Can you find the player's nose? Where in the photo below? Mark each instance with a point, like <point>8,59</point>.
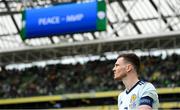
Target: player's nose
<point>113,69</point>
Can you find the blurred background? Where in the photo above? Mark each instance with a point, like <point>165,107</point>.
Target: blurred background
<point>74,70</point>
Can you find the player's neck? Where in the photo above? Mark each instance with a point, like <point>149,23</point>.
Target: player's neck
<point>130,81</point>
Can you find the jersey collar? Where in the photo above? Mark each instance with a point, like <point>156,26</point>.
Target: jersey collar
<point>127,92</point>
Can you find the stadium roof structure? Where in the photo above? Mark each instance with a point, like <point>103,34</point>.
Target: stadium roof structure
<point>131,25</point>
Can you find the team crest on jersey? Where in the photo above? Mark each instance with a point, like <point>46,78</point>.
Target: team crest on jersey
<point>132,101</point>
<point>133,98</point>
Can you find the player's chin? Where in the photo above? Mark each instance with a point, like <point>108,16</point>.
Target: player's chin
<point>116,78</point>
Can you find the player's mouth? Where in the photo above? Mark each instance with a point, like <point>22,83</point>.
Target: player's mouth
<point>114,74</point>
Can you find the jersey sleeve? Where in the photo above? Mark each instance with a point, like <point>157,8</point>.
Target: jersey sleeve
<point>149,96</point>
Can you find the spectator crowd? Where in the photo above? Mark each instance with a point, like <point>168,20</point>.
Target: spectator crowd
<point>92,76</point>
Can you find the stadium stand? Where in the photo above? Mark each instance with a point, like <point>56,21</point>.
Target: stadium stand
<point>93,76</point>
<point>90,77</point>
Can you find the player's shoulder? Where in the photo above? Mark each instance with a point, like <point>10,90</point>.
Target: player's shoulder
<point>147,85</point>
<point>122,93</point>
<point>148,89</point>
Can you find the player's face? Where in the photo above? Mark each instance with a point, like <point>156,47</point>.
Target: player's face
<point>119,69</point>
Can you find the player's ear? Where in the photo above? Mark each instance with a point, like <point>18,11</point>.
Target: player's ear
<point>128,67</point>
